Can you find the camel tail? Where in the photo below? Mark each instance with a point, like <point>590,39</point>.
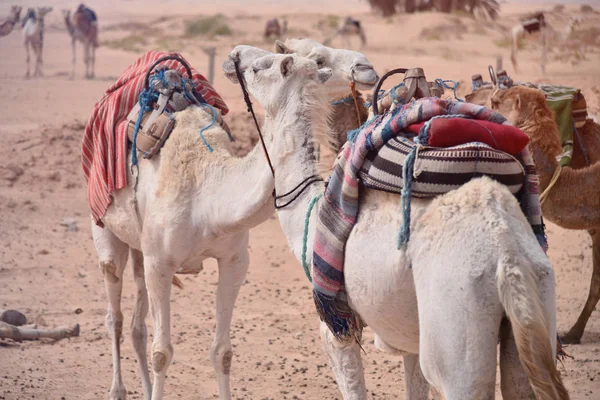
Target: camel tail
<point>177,282</point>
<point>522,304</point>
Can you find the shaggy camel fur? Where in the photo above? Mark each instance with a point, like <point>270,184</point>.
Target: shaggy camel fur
<point>13,18</point>
<point>85,31</point>
<point>349,27</point>
<point>33,30</point>
<point>574,201</point>
<point>158,250</point>
<point>472,261</point>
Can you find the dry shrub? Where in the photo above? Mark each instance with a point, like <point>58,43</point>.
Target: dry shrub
<point>134,43</point>
<point>586,8</point>
<point>456,29</point>
<point>559,8</point>
<point>214,25</point>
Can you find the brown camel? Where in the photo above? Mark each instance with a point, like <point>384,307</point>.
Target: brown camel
<point>574,200</point>
<point>347,28</point>
<point>83,27</point>
<point>7,26</point>
<point>33,30</point>
<point>273,28</point>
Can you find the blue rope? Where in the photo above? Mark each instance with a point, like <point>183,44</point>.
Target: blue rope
<point>212,123</point>
<point>312,203</point>
<point>394,95</point>
<point>408,169</point>
<point>342,101</point>
<point>145,97</point>
<point>454,86</point>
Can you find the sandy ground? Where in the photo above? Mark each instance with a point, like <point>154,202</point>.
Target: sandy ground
<point>47,270</point>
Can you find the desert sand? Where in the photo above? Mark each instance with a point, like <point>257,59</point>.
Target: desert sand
<point>49,270</point>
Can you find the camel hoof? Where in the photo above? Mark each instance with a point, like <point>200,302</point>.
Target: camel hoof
<point>571,338</point>
<point>118,393</point>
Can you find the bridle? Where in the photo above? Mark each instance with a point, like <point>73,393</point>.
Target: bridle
<point>302,186</point>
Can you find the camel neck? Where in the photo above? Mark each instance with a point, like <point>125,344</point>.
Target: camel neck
<point>544,152</point>
<point>69,24</point>
<point>294,160</point>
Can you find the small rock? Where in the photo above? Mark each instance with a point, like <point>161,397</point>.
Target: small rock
<point>70,224</point>
<point>78,310</point>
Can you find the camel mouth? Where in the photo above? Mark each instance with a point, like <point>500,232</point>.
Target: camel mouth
<point>365,77</point>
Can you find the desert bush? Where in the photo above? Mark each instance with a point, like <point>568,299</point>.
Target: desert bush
<point>215,25</point>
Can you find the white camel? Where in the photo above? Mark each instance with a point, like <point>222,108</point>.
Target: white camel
<point>546,34</point>
<point>473,271</point>
<point>193,205</point>
<point>33,31</point>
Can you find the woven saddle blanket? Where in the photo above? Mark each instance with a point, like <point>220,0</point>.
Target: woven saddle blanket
<point>104,148</point>
<point>373,156</point>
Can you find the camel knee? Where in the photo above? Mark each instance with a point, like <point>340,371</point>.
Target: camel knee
<point>110,271</point>
<point>161,358</point>
<point>221,356</point>
<point>138,334</point>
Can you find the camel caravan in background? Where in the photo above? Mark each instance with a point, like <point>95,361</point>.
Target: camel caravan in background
<point>83,27</point>
<point>13,19</point>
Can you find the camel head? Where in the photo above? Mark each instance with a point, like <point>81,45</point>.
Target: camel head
<point>521,105</point>
<point>41,12</point>
<point>15,11</point>
<point>275,79</point>
<point>345,64</point>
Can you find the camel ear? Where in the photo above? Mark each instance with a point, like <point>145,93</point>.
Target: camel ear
<point>518,103</point>
<point>281,48</point>
<point>286,66</point>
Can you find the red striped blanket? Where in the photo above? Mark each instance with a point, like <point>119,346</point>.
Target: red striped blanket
<point>104,148</point>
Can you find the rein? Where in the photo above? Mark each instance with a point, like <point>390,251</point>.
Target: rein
<point>302,186</point>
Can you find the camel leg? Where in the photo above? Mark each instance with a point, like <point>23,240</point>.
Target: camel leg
<point>513,379</point>
<point>232,271</point>
<point>458,327</point>
<point>92,61</point>
<point>159,275</point>
<point>576,332</point>
<point>346,363</point>
<point>139,334</point>
<point>74,60</point>
<point>112,254</point>
<point>417,388</point>
<point>544,50</point>
<point>40,61</point>
<point>28,59</point>
<point>86,60</point>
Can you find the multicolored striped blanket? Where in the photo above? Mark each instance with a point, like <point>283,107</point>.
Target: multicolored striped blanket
<point>104,147</point>
<point>339,205</point>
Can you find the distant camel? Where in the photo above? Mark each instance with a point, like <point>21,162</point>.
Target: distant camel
<point>348,27</point>
<point>7,26</point>
<point>273,28</point>
<point>83,27</point>
<point>536,26</point>
<point>33,30</point>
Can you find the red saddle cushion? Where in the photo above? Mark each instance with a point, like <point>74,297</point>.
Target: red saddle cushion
<point>448,132</point>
